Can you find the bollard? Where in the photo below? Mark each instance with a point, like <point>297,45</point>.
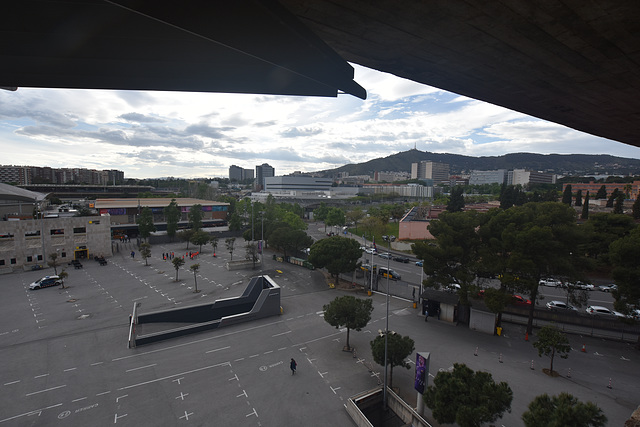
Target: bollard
<point>500,358</point>
<point>609,386</point>
<point>475,353</point>
<point>569,373</point>
<point>532,364</point>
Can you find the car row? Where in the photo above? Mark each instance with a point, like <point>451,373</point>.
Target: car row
<point>559,305</point>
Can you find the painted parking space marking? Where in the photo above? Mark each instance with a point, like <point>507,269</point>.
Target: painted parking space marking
<point>27,414</point>
<point>175,375</point>
<point>45,390</point>
<point>12,382</point>
<point>141,367</point>
<point>218,349</point>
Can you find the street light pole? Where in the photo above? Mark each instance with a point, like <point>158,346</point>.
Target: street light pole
<point>386,332</point>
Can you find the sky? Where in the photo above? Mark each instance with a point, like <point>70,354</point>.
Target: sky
<point>199,135</point>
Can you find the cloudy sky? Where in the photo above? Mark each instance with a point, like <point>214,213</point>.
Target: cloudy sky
<point>159,134</point>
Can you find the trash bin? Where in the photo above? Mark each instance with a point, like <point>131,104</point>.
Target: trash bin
<point>499,330</point>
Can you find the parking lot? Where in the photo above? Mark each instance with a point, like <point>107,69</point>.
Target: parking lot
<point>66,361</point>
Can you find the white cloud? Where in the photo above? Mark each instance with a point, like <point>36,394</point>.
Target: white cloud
<point>151,134</point>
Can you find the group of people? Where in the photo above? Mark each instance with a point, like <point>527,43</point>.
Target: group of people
<point>167,255</point>
<point>125,239</point>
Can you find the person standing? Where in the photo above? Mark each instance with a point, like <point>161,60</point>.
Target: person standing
<point>293,365</point>
<point>426,315</point>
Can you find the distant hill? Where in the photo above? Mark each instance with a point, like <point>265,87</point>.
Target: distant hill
<point>571,164</point>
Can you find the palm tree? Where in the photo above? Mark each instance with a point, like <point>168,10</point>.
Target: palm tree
<point>195,268</point>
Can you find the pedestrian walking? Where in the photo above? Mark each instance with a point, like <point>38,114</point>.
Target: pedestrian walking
<point>426,315</point>
<point>293,365</point>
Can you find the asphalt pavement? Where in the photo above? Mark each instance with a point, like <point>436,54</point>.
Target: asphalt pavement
<point>66,361</point>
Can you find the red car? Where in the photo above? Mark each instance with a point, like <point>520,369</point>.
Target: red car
<point>518,300</point>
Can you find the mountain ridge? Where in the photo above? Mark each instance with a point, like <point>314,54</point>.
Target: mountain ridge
<point>573,164</point>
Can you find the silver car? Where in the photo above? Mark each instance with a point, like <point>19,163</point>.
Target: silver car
<point>559,305</point>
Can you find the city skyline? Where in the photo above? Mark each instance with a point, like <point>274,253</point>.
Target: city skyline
<point>189,135</point>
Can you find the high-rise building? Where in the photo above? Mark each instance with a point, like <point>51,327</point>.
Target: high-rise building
<point>426,169</point>
<point>263,171</point>
<point>236,173</point>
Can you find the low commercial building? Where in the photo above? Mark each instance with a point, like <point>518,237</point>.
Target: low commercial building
<point>125,211</point>
<point>28,243</point>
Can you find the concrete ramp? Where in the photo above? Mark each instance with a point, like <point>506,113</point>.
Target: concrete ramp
<point>260,299</point>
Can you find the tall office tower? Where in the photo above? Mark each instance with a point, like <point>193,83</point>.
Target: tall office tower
<point>263,171</point>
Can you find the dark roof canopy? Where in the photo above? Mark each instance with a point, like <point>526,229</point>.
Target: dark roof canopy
<point>572,62</point>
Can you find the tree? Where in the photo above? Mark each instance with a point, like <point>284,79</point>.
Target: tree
<point>578,198</point>
<point>145,252</point>
<point>626,270</point>
<point>550,341</point>
<point>177,263</point>
<point>320,213</point>
<point>563,410</point>
<point>618,208</point>
<point>612,198</point>
<point>348,312</point>
<point>53,262</point>
<point>63,275</point>
<point>200,238</point>
<point>195,268</point>
<point>456,256</point>
<point>373,226</point>
<point>336,254</point>
<point>635,209</point>
<point>567,195</point>
<point>294,221</point>
<point>602,192</point>
<point>456,199</point>
<point>585,208</point>
<point>230,243</point>
<point>235,223</point>
<point>214,244</point>
<point>172,216</point>
<point>466,397</point>
<point>251,252</point>
<point>335,216</point>
<point>354,216</point>
<point>398,350</point>
<point>185,236</point>
<point>145,223</point>
<point>195,217</point>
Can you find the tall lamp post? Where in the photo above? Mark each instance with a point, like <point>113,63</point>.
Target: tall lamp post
<point>389,239</point>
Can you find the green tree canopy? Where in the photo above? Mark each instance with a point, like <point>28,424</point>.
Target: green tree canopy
<point>349,312</point>
<point>177,263</point>
<point>200,238</point>
<point>466,397</point>
<point>578,198</point>
<point>456,199</point>
<point>585,208</point>
<point>195,217</point>
<point>626,270</point>
<point>145,223</point>
<point>335,216</point>
<point>456,256</point>
<point>53,262</point>
<point>635,209</point>
<point>294,221</point>
<point>602,192</point>
<point>354,216</point>
<point>398,350</point>
<point>172,215</point>
<point>336,254</point>
<point>552,341</point>
<point>194,268</point>
<point>567,195</point>
<point>145,252</point>
<point>230,243</point>
<point>601,230</point>
<point>185,236</point>
<point>563,410</point>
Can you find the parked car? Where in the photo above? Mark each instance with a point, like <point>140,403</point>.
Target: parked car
<point>549,281</point>
<point>45,282</point>
<point>581,285</point>
<point>607,288</point>
<point>401,259</point>
<point>420,263</point>
<point>559,305</point>
<point>371,251</point>
<point>385,255</point>
<point>596,310</point>
<point>452,287</point>
<point>519,300</point>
